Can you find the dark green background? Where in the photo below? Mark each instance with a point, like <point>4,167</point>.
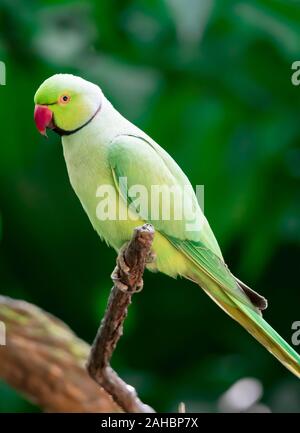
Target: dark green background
<point>211,82</point>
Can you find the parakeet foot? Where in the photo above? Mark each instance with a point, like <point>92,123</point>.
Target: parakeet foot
<point>151,257</point>
<point>117,282</point>
<point>123,268</point>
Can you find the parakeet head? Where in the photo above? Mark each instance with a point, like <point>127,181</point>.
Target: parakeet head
<point>65,103</point>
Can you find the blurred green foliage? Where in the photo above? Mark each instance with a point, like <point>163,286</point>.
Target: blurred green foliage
<point>211,82</point>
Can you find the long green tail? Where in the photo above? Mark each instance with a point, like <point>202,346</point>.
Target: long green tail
<point>253,322</point>
<point>211,273</point>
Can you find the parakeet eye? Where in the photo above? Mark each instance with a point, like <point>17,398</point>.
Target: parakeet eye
<point>64,99</point>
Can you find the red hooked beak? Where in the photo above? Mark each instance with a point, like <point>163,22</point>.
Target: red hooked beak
<point>43,118</point>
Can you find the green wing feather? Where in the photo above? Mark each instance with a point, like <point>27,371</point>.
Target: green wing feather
<point>144,162</point>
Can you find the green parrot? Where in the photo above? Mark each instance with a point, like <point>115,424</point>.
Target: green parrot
<point>100,148</point>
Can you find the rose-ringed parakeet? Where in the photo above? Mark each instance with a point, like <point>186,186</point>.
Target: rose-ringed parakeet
<point>101,147</point>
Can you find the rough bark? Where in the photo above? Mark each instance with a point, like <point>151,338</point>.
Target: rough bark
<point>45,361</point>
<point>127,278</point>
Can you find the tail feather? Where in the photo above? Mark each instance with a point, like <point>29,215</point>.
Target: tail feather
<point>254,323</point>
<point>259,301</point>
<point>269,338</point>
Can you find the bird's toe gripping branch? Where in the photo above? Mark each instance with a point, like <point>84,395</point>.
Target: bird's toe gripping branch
<point>127,278</point>
<point>151,257</point>
<point>115,276</point>
<point>132,259</point>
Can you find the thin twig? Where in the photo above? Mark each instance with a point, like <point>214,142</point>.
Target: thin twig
<point>127,278</point>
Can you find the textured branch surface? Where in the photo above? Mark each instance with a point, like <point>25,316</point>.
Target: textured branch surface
<point>45,361</point>
<point>127,278</point>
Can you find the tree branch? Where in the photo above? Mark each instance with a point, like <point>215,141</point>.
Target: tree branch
<point>127,278</point>
<point>45,361</point>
